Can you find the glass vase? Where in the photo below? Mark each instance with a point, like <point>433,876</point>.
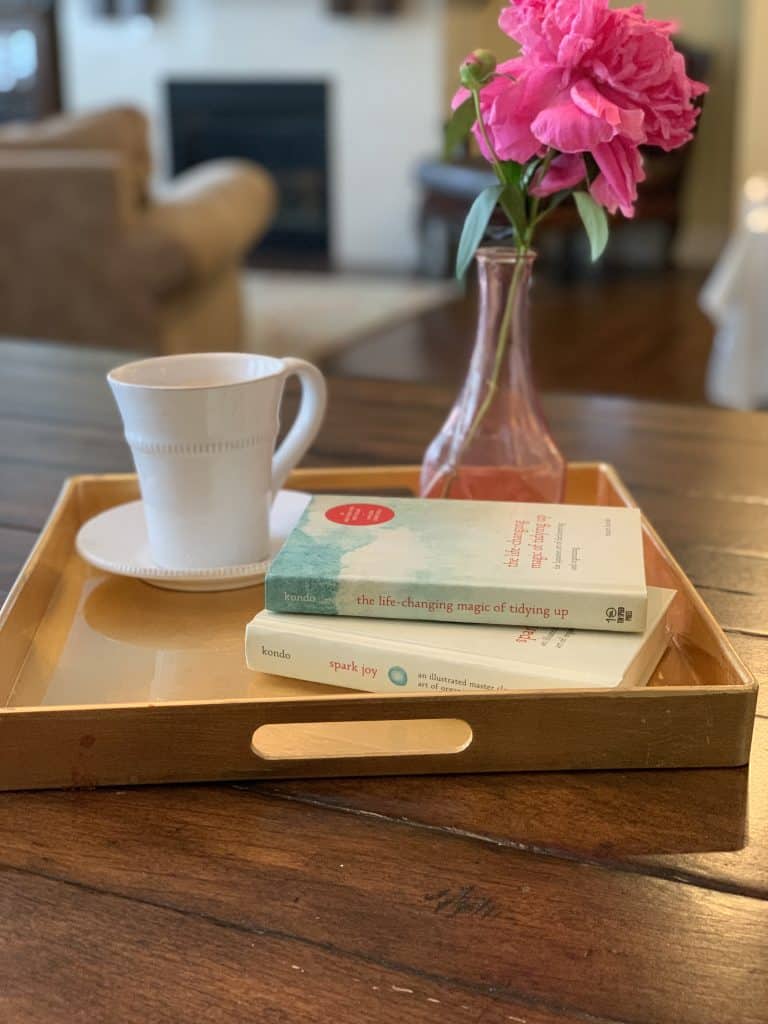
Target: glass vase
<point>495,444</point>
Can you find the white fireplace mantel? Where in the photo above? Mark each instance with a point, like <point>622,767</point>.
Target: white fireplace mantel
<point>385,78</point>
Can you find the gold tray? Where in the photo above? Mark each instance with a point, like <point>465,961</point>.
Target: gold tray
<point>105,680</point>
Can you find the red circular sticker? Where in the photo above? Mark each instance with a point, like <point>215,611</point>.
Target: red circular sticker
<point>358,513</point>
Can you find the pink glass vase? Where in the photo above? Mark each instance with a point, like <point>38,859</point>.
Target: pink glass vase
<point>495,444</point>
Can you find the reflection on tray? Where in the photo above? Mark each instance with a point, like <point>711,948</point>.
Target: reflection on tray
<point>108,640</point>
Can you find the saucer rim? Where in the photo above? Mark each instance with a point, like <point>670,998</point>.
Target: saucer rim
<point>153,572</point>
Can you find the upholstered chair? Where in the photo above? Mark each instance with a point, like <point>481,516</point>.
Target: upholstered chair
<point>90,253</point>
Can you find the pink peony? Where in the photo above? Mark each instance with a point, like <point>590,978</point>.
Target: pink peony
<point>589,80</point>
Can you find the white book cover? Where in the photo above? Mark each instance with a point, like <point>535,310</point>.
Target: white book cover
<point>383,656</point>
<point>505,563</point>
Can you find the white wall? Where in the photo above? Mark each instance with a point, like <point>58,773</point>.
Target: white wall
<point>386,100</point>
<point>714,25</point>
<point>752,152</point>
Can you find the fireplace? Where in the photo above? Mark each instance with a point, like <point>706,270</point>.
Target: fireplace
<point>282,125</point>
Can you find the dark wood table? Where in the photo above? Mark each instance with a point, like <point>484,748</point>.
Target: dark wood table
<point>634,897</point>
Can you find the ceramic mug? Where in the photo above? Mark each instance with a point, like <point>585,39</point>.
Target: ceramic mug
<point>202,430</point>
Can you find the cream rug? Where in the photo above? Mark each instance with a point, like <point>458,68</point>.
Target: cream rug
<point>313,315</point>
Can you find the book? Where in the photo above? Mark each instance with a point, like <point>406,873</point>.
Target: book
<point>464,561</point>
<point>382,656</point>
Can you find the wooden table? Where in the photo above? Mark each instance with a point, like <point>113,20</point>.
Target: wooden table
<point>538,898</point>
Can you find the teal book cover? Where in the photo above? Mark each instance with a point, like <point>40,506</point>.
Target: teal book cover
<point>457,561</point>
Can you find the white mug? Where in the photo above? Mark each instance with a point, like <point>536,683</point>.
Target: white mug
<point>202,430</point>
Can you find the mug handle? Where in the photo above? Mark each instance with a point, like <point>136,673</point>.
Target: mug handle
<point>308,419</point>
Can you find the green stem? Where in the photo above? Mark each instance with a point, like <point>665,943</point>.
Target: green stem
<point>496,163</point>
<point>494,159</point>
<point>501,345</point>
<point>535,218</point>
<point>498,363</point>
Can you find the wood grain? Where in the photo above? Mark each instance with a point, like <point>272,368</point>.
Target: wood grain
<point>63,959</point>
<point>665,338</point>
<point>478,916</point>
<point>594,897</point>
<point>706,827</point>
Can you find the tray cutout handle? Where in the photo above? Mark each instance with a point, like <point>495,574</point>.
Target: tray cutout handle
<point>420,737</point>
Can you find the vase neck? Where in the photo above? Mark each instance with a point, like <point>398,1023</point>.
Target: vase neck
<point>495,443</point>
<point>504,280</point>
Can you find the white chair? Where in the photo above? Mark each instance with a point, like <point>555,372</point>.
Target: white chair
<point>735,297</point>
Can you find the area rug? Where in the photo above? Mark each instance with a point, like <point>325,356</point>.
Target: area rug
<point>313,315</point>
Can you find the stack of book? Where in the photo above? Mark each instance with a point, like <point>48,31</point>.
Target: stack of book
<point>404,594</point>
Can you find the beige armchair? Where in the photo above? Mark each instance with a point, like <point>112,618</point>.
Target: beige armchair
<point>88,255</point>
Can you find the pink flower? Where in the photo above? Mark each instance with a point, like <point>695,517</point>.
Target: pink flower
<point>509,104</point>
<point>589,80</point>
<point>566,171</point>
<point>621,170</point>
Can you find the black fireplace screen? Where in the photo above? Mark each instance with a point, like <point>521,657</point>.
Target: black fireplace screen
<point>282,125</point>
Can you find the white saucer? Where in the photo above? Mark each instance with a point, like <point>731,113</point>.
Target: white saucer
<point>116,541</point>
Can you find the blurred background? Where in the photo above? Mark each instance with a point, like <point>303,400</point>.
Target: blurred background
<point>267,174</point>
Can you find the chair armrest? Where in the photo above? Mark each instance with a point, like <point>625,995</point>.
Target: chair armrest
<point>71,195</point>
<point>118,130</point>
<point>212,213</point>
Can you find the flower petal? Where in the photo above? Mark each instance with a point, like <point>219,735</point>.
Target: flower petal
<point>621,167</point>
<point>459,97</point>
<point>566,171</point>
<point>623,121</point>
<point>566,127</point>
<point>510,105</point>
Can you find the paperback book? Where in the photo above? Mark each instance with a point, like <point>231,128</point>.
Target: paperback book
<point>573,566</point>
<point>382,656</point>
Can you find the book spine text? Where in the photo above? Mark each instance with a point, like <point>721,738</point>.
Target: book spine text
<point>343,661</point>
<point>615,612</point>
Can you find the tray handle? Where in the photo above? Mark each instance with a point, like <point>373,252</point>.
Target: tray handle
<point>318,737</point>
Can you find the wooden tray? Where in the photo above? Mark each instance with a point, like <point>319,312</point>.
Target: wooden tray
<point>107,681</point>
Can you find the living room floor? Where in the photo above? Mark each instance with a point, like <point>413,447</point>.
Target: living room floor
<point>638,334</point>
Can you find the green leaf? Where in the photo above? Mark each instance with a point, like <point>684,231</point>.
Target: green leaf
<point>514,207</point>
<point>475,226</point>
<point>513,201</point>
<point>458,127</point>
<point>512,172</point>
<point>595,222</point>
<point>528,172</point>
